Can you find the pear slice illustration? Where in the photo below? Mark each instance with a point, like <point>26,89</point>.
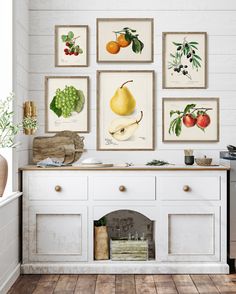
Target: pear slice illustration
<point>123,102</point>
<point>122,128</point>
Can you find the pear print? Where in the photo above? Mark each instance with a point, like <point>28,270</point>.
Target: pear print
<point>123,128</point>
<point>123,102</point>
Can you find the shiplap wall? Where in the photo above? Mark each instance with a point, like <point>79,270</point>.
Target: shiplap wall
<point>216,17</point>
<point>20,79</point>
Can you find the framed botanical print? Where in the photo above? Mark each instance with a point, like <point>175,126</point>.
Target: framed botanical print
<point>190,119</point>
<point>67,104</point>
<point>125,110</point>
<point>124,40</point>
<point>184,60</point>
<point>71,45</point>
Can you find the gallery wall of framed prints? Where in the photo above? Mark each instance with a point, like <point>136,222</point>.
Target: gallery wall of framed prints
<point>126,99</point>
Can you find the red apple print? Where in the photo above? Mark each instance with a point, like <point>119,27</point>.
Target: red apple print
<point>189,121</point>
<point>203,120</point>
<point>191,115</point>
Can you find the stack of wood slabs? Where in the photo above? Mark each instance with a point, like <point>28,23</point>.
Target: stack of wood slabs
<point>129,250</point>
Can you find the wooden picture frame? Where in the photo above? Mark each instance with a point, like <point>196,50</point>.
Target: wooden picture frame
<point>78,112</point>
<point>75,53</point>
<point>190,119</point>
<point>184,60</point>
<point>114,112</point>
<point>112,43</point>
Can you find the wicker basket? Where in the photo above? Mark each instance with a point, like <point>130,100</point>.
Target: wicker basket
<point>203,161</point>
<point>101,250</point>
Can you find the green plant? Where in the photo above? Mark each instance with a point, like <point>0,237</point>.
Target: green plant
<point>101,222</point>
<point>8,129</point>
<point>156,162</point>
<point>185,49</point>
<point>30,123</point>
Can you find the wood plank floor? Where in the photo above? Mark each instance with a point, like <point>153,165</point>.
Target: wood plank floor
<point>125,284</point>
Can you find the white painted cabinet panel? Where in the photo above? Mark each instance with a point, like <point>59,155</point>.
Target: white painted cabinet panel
<point>57,233</point>
<point>44,186</point>
<point>190,233</point>
<point>123,187</point>
<point>197,188</point>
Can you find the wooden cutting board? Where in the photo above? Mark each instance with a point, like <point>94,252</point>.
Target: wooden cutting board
<point>78,143</point>
<point>65,146</point>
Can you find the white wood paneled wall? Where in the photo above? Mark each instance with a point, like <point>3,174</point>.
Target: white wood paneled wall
<point>216,17</point>
<point>20,77</point>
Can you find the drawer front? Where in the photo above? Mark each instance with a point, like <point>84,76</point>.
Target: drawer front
<point>188,188</point>
<point>123,188</point>
<point>57,187</point>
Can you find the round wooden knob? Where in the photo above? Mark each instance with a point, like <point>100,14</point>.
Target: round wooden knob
<point>186,188</point>
<point>122,188</point>
<point>58,188</point>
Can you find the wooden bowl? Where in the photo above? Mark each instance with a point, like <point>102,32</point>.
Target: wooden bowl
<point>203,161</point>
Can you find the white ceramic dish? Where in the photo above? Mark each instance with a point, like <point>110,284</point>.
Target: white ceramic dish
<point>91,160</point>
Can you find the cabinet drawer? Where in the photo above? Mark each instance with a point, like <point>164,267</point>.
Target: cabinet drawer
<point>57,187</point>
<point>123,188</point>
<point>188,188</point>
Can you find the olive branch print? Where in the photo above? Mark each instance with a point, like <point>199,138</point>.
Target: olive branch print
<point>188,50</point>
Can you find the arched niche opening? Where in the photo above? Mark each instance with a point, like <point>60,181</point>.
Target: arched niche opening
<point>125,224</point>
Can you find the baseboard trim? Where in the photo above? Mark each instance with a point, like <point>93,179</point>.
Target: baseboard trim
<point>125,268</point>
<point>10,280</point>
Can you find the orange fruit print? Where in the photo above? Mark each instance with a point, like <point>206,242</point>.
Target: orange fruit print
<point>124,38</point>
<point>113,47</point>
<point>122,41</point>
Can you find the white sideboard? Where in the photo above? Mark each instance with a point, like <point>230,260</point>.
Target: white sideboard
<point>186,204</point>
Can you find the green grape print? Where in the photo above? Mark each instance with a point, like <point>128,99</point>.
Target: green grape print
<point>67,101</point>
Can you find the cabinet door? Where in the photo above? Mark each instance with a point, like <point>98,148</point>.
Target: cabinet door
<point>57,233</point>
<point>189,233</point>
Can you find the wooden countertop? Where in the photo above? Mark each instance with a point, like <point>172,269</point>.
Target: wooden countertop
<point>131,168</point>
